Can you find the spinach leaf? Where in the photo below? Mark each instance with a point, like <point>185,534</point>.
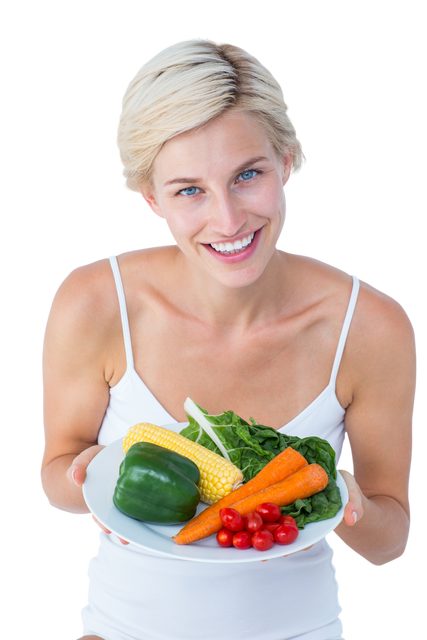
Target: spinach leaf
<point>251,446</point>
<point>321,506</point>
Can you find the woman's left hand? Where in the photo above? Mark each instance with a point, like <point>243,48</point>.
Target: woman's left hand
<point>353,510</point>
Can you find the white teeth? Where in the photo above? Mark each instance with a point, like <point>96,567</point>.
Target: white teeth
<point>233,247</point>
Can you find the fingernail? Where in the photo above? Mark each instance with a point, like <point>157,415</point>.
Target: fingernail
<point>354,514</point>
<point>72,475</point>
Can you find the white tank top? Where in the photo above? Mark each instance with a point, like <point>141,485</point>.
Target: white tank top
<point>156,598</point>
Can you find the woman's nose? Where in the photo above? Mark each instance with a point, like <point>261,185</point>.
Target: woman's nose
<point>226,216</point>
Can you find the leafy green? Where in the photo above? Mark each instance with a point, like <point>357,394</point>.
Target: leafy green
<point>251,446</point>
<point>321,506</point>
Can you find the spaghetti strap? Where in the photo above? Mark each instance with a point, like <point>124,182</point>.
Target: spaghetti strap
<point>345,329</point>
<point>123,311</point>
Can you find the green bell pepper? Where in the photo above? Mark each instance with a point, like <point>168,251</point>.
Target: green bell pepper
<point>157,485</point>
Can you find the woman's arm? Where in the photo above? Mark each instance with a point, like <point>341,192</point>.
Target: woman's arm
<point>60,484</point>
<point>77,365</point>
<point>381,364</point>
<point>381,535</point>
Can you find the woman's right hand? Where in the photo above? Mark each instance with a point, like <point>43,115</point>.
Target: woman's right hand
<point>76,474</point>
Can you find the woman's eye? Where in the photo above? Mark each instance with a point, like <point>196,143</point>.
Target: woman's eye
<point>250,171</point>
<point>187,189</point>
<point>247,175</point>
<point>188,195</point>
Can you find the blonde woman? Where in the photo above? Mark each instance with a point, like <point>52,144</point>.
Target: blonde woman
<point>224,317</point>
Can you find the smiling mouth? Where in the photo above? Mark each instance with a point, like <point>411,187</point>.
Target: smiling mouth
<point>248,239</point>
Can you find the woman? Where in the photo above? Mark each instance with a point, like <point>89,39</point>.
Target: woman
<point>227,319</point>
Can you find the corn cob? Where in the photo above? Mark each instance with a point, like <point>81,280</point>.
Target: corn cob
<point>218,476</point>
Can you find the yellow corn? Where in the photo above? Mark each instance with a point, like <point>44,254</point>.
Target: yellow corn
<point>218,476</point>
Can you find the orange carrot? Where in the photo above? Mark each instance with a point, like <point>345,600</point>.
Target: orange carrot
<point>302,484</point>
<point>279,468</point>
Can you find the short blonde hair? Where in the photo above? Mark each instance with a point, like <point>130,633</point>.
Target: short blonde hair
<point>186,86</point>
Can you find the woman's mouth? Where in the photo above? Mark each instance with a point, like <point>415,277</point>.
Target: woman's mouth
<point>236,251</point>
<point>228,248</point>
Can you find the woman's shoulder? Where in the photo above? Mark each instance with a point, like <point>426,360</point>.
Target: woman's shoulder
<point>381,333</point>
<point>88,294</point>
<point>86,288</point>
<point>328,280</point>
<point>94,282</point>
<point>379,321</point>
<point>84,307</point>
<point>380,343</point>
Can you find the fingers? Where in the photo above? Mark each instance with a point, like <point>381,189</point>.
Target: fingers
<point>294,552</point>
<point>101,525</point>
<point>98,525</point>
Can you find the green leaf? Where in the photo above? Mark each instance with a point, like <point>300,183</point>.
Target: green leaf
<point>321,506</point>
<point>251,446</point>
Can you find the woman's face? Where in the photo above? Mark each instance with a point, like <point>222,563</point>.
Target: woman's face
<point>220,190</point>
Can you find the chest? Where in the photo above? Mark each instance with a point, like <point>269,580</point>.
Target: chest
<point>271,374</point>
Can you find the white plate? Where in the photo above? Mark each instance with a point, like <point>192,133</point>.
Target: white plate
<point>98,489</point>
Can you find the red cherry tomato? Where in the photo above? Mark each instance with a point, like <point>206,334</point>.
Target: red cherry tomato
<point>253,522</point>
<point>286,533</point>
<point>262,540</point>
<point>224,537</point>
<point>269,512</point>
<point>270,526</point>
<point>242,540</point>
<point>288,519</point>
<point>231,519</point>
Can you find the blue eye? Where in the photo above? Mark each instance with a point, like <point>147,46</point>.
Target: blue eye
<point>187,189</point>
<point>189,195</point>
<point>248,171</point>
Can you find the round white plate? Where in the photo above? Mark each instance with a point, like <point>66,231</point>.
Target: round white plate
<point>98,489</point>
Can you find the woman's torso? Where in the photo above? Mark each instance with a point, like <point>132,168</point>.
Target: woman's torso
<point>274,376</point>
<point>288,357</point>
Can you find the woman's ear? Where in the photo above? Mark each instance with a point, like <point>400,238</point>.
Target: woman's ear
<point>287,166</point>
<point>150,199</point>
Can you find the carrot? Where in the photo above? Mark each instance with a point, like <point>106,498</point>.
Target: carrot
<point>302,484</point>
<point>279,468</point>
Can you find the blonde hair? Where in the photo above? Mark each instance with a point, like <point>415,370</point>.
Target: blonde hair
<point>186,86</point>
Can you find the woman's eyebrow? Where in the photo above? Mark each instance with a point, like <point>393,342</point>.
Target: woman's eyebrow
<point>242,167</point>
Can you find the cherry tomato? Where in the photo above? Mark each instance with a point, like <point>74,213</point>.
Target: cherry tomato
<point>242,540</point>
<point>253,522</point>
<point>288,519</point>
<point>270,526</point>
<point>262,540</point>
<point>269,512</point>
<point>224,537</point>
<point>286,533</point>
<point>231,519</point>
